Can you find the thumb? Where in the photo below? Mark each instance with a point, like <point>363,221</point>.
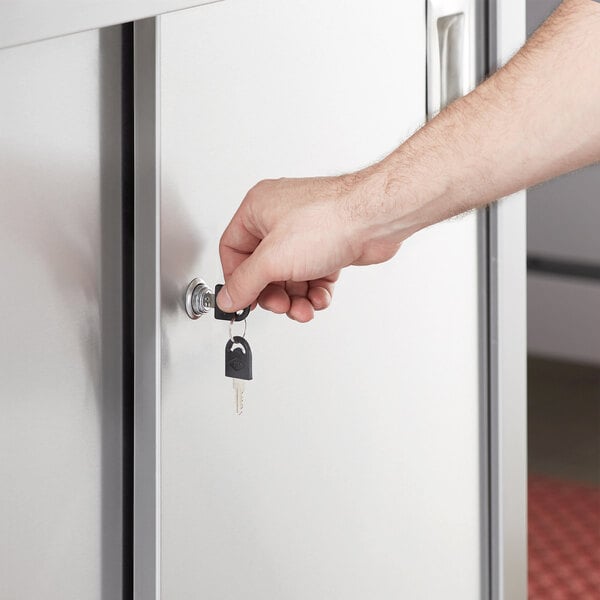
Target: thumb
<point>248,280</point>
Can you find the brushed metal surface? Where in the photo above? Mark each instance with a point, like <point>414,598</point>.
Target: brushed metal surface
<point>508,332</point>
<point>354,471</point>
<point>60,349</point>
<point>147,330</point>
<point>24,21</point>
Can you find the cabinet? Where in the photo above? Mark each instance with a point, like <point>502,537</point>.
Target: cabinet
<point>354,470</point>
<point>61,512</point>
<point>362,466</point>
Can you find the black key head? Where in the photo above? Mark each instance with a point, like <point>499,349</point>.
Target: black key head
<point>225,316</point>
<point>238,360</point>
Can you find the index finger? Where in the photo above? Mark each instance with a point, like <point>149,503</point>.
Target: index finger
<point>236,245</point>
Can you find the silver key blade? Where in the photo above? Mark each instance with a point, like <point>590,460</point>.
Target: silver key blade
<point>238,387</point>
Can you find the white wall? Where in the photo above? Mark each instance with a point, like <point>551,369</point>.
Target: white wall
<point>563,221</point>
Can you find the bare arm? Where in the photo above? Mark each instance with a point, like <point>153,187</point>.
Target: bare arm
<point>536,118</point>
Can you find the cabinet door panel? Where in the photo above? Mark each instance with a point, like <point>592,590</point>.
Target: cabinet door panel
<point>60,350</point>
<point>354,470</point>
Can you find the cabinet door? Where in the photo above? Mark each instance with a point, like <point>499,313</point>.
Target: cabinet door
<point>60,351</point>
<point>354,471</point>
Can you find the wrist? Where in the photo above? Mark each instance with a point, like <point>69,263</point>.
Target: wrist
<point>381,205</point>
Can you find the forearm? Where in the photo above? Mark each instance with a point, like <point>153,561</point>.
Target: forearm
<point>536,118</point>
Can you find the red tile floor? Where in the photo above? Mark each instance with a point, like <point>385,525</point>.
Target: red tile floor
<point>564,540</point>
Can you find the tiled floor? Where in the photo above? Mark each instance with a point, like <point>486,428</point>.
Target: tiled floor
<point>564,540</point>
<point>564,481</point>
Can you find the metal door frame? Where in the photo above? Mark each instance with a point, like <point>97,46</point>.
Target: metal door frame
<point>507,350</point>
<point>147,302</point>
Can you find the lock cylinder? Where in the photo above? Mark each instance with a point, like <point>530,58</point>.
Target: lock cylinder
<point>199,298</point>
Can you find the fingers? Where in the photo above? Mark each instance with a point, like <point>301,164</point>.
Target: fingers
<point>296,288</point>
<point>279,297</point>
<point>319,297</point>
<point>320,292</point>
<point>275,298</point>
<point>237,250</point>
<point>275,236</point>
<point>237,243</point>
<point>251,280</point>
<point>299,299</point>
<point>244,285</point>
<point>301,309</point>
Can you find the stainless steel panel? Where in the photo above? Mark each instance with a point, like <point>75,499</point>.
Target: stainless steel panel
<point>508,415</point>
<point>60,351</point>
<point>147,378</point>
<point>508,361</point>
<point>354,472</point>
<point>23,21</point>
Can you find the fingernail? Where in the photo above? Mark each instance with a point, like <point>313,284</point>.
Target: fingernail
<point>224,300</point>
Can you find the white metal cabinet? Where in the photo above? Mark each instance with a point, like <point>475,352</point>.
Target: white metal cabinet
<point>354,472</point>
<point>328,487</point>
<point>60,351</point>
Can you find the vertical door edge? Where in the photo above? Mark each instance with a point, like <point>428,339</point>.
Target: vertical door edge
<point>147,331</point>
<point>508,351</point>
<point>482,46</point>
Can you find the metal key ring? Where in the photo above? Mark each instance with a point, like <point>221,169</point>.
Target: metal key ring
<point>231,336</point>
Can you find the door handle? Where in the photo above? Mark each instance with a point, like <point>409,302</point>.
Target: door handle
<point>450,52</point>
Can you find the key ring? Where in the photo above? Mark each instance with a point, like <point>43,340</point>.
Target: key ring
<point>231,336</point>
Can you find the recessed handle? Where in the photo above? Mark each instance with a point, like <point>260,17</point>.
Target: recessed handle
<point>450,52</point>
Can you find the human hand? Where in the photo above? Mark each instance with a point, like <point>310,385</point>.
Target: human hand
<point>289,239</point>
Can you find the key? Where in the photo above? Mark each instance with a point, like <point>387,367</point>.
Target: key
<point>238,366</point>
<point>224,316</point>
<point>239,386</point>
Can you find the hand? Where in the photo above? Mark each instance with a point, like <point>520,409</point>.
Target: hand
<point>289,239</point>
